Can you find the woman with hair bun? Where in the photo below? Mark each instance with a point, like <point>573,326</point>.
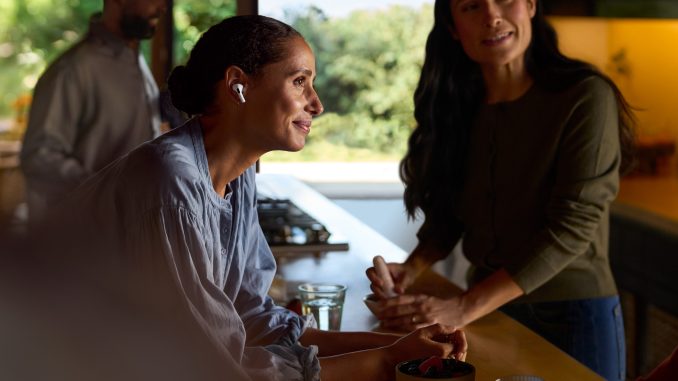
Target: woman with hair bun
<point>181,210</point>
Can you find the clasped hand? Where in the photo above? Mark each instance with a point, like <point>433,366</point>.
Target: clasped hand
<point>411,311</point>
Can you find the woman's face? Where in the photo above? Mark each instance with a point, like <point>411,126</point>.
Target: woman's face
<point>283,99</point>
<point>493,33</point>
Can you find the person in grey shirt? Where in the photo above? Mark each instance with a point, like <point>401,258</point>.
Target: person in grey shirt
<point>93,104</point>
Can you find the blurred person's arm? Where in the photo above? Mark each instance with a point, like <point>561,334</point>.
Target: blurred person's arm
<point>47,157</point>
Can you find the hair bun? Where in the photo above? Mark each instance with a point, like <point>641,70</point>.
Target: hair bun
<point>182,91</point>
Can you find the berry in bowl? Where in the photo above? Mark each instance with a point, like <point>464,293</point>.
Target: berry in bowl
<point>435,368</point>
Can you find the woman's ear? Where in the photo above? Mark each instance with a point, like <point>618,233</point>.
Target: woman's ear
<point>532,7</point>
<point>236,81</point>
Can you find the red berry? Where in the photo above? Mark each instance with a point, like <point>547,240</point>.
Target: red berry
<point>431,362</point>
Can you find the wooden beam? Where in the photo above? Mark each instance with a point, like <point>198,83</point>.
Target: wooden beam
<point>248,7</point>
<point>162,47</point>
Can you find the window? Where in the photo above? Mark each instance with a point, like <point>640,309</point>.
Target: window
<point>368,57</point>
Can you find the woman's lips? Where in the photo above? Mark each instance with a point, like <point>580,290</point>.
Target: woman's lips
<point>497,39</point>
<point>304,125</point>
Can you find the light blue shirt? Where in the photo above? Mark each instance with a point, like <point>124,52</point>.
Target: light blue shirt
<point>159,212</point>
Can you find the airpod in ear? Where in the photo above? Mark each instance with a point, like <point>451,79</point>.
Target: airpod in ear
<point>238,88</point>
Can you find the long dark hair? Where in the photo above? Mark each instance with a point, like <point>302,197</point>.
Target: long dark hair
<point>249,42</point>
<point>449,92</point>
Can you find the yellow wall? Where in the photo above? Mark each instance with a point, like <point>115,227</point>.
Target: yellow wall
<point>651,57</point>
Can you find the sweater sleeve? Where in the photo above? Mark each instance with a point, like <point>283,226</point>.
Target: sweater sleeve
<point>587,181</point>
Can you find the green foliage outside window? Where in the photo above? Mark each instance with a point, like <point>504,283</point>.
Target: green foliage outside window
<point>368,66</point>
<point>192,17</point>
<point>33,33</point>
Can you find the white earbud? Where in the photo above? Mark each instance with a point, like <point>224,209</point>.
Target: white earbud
<point>238,87</point>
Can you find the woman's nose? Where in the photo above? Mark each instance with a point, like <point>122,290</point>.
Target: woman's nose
<point>492,15</point>
<point>315,107</point>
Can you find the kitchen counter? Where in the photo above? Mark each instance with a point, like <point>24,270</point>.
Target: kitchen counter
<point>498,345</point>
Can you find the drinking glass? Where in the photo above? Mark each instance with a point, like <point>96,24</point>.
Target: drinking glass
<point>325,301</point>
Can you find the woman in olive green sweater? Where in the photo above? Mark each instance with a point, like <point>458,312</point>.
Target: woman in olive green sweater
<point>518,149</point>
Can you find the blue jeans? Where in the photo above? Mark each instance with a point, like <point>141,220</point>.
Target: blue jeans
<point>590,330</point>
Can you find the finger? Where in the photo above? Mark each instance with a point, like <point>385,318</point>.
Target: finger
<point>460,345</point>
<point>445,350</point>
<point>400,300</point>
<point>400,311</point>
<point>377,284</point>
<point>372,275</point>
<point>378,292</point>
<point>460,356</point>
<point>401,323</point>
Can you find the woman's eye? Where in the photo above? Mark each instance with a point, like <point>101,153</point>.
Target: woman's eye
<point>299,81</point>
<point>469,6</point>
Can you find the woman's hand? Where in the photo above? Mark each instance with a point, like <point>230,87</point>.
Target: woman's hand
<point>434,340</point>
<point>409,312</point>
<point>403,276</point>
<point>379,363</point>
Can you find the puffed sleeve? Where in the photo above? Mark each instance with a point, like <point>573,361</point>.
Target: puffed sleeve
<point>265,322</point>
<point>587,180</point>
<point>168,242</point>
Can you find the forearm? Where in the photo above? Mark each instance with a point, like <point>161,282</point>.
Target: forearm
<point>48,166</point>
<point>424,256</point>
<point>368,365</point>
<point>334,343</point>
<point>488,295</point>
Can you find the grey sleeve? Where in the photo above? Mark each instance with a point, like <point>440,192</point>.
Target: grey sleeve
<point>47,151</point>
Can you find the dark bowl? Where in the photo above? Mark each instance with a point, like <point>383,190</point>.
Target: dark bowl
<point>453,370</point>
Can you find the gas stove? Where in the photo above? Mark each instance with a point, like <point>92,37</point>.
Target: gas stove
<point>290,230</point>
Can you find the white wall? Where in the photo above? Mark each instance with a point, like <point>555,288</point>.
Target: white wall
<point>387,217</point>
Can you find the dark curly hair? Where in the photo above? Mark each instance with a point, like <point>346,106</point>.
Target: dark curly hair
<point>446,100</point>
<point>248,42</point>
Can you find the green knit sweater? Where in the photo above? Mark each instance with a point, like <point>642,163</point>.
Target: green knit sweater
<point>541,173</point>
